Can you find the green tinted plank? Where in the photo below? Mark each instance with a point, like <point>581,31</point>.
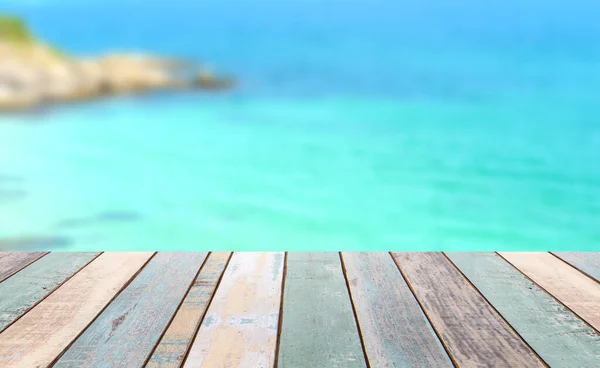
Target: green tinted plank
<point>473,332</point>
<point>38,337</point>
<point>587,262</point>
<point>575,290</point>
<point>26,288</point>
<point>240,327</point>
<point>395,331</point>
<point>13,262</point>
<point>318,325</point>
<point>556,334</point>
<point>129,328</point>
<point>175,342</point>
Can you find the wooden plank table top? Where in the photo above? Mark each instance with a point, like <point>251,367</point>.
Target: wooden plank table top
<point>126,332</point>
<point>43,333</point>
<point>326,310</point>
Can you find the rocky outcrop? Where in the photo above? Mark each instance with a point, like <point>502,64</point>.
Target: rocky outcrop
<point>33,74</point>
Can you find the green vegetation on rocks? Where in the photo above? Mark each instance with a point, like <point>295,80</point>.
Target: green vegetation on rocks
<point>14,29</point>
<point>33,73</point>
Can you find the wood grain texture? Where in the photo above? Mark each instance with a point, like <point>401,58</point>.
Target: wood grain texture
<point>588,262</point>
<point>556,334</point>
<point>396,333</point>
<point>127,331</point>
<point>240,327</point>
<point>13,262</point>
<point>318,325</point>
<point>175,342</point>
<point>38,337</point>
<point>574,289</point>
<point>26,288</point>
<point>474,334</point>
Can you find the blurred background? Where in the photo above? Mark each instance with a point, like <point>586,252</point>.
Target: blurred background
<point>353,125</point>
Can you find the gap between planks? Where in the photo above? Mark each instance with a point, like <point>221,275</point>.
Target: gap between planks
<point>280,322</point>
<point>360,334</point>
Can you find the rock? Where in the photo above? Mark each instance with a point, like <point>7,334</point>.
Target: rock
<point>32,73</point>
<point>208,81</point>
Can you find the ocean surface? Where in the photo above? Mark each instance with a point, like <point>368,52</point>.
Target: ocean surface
<point>357,126</point>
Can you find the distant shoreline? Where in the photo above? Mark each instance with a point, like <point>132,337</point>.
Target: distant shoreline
<point>33,74</point>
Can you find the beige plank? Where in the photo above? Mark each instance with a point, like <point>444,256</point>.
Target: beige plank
<point>577,291</point>
<point>240,327</point>
<point>42,334</point>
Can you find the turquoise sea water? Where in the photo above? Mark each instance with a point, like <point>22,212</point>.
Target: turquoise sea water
<point>372,126</point>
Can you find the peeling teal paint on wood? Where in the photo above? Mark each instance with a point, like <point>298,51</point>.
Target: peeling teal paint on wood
<point>125,334</point>
<point>554,332</point>
<point>13,262</point>
<point>318,325</point>
<point>586,262</point>
<point>174,344</point>
<point>395,330</point>
<point>36,281</point>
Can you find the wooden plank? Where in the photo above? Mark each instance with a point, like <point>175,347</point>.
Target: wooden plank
<point>318,324</point>
<point>175,342</point>
<point>13,262</point>
<point>38,337</point>
<point>556,334</point>
<point>26,288</point>
<point>240,327</point>
<point>128,330</point>
<point>587,262</point>
<point>395,331</point>
<point>578,292</point>
<point>472,331</point>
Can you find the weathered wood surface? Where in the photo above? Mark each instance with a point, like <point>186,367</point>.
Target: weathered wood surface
<point>557,335</point>
<point>395,331</point>
<point>32,284</point>
<point>174,344</point>
<point>13,262</point>
<point>40,336</point>
<point>587,262</point>
<point>240,327</point>
<point>474,334</point>
<point>318,324</point>
<point>578,292</point>
<point>127,331</point>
